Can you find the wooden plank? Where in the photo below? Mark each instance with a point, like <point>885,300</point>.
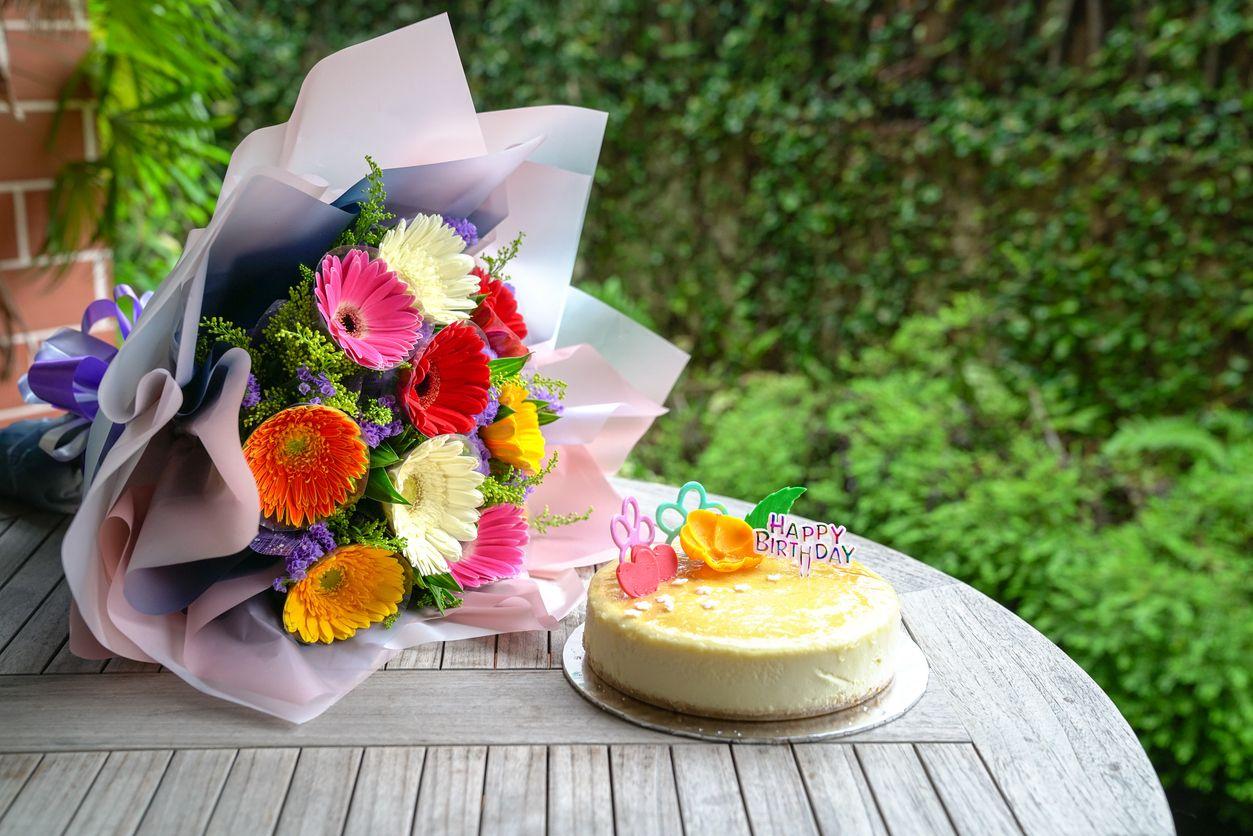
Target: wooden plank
<point>188,792</point>
<point>120,664</point>
<point>645,800</point>
<point>775,804</point>
<point>580,799</point>
<point>470,653</point>
<point>66,662</point>
<point>29,585</point>
<point>450,798</point>
<point>838,792</point>
<point>320,791</point>
<point>1057,748</point>
<point>900,785</point>
<point>39,639</point>
<point>973,802</point>
<point>52,793</point>
<point>709,790</point>
<point>387,791</point>
<point>252,798</point>
<point>905,573</point>
<point>22,538</point>
<point>120,794</point>
<point>10,510</point>
<point>15,770</point>
<point>527,649</point>
<point>514,799</point>
<point>423,657</point>
<point>391,708</point>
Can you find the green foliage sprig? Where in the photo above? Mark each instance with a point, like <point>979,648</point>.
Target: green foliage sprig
<point>369,227</point>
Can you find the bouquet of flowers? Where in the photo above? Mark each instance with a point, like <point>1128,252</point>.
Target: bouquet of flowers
<point>363,412</point>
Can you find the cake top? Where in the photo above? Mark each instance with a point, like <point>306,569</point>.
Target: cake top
<point>758,606</point>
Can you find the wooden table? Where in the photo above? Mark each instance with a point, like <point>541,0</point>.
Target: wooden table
<point>486,736</point>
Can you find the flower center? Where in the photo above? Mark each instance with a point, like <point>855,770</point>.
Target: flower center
<point>351,320</point>
<point>427,389</point>
<point>331,579</point>
<point>298,447</point>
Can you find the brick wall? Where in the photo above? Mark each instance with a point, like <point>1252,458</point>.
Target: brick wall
<point>47,292</point>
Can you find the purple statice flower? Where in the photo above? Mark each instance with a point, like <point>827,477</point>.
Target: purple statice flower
<point>376,434</point>
<point>307,548</point>
<point>540,392</point>
<point>308,382</point>
<point>488,415</point>
<point>252,392</point>
<point>480,450</point>
<point>465,228</point>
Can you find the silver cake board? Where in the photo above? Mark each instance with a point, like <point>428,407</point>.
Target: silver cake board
<point>906,688</point>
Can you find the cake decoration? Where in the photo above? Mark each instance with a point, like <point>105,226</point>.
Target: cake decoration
<point>633,533</point>
<point>802,542</point>
<point>723,542</point>
<point>679,506</point>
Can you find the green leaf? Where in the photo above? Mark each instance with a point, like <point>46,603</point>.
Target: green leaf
<point>503,412</point>
<point>506,366</point>
<point>381,489</point>
<point>383,456</point>
<point>546,417</point>
<point>779,502</point>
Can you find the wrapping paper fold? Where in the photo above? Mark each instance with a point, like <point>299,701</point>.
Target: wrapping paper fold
<point>155,557</point>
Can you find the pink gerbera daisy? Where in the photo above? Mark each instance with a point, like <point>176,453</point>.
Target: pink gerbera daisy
<point>368,310</point>
<point>498,550</point>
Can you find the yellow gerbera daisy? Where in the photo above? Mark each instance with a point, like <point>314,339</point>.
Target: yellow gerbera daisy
<point>441,484</point>
<point>350,588</point>
<point>516,439</point>
<point>430,257</point>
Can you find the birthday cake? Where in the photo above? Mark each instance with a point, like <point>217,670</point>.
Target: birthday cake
<point>743,623</point>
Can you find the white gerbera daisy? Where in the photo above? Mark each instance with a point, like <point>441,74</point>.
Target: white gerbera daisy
<point>429,255</point>
<point>442,486</point>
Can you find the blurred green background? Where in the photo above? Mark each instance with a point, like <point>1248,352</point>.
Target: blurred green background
<point>979,274</point>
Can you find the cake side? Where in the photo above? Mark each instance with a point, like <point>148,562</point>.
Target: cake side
<point>757,644</point>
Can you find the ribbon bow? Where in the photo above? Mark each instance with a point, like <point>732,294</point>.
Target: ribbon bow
<point>68,368</point>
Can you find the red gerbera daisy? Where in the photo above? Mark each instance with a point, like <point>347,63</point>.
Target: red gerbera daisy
<point>497,314</point>
<point>447,387</point>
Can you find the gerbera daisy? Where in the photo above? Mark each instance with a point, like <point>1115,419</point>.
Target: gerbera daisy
<point>429,256</point>
<point>307,461</point>
<point>368,310</point>
<point>497,552</point>
<point>446,388</point>
<point>516,439</point>
<point>497,314</point>
<point>352,587</point>
<point>441,484</point>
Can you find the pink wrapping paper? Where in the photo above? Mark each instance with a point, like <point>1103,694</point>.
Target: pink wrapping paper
<point>152,555</point>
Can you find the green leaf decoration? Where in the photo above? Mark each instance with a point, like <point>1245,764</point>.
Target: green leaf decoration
<point>779,502</point>
<point>506,366</point>
<point>380,488</point>
<point>383,456</point>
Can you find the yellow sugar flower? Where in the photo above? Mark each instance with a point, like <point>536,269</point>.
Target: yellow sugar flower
<point>350,588</point>
<point>516,439</point>
<point>429,255</point>
<point>442,486</point>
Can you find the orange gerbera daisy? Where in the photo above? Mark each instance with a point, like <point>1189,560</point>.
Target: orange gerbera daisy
<point>516,439</point>
<point>307,461</point>
<point>352,587</point>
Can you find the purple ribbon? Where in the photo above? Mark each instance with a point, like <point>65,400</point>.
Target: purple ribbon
<point>69,366</point>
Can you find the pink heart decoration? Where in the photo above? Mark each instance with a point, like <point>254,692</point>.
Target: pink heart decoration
<point>638,577</point>
<point>667,561</point>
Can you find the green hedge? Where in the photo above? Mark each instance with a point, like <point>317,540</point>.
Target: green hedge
<point>981,274</point>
